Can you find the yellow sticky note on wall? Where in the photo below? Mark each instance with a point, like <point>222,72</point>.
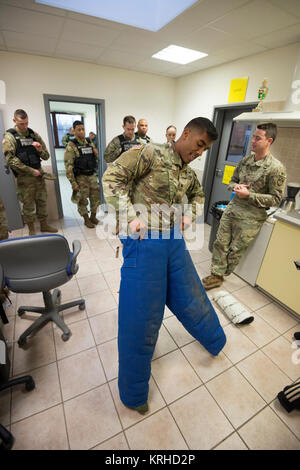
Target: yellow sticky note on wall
<point>228,172</point>
<point>238,88</point>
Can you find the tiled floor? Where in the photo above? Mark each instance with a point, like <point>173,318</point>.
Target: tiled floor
<point>196,401</point>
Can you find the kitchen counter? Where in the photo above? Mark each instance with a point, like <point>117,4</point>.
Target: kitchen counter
<point>292,217</point>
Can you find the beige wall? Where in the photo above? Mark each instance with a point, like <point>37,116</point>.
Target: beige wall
<point>161,100</point>
<point>198,93</point>
<point>27,77</point>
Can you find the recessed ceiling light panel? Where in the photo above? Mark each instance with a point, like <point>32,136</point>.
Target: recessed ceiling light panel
<point>148,14</point>
<point>179,55</point>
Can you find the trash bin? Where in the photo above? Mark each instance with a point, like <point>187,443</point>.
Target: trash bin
<point>216,211</point>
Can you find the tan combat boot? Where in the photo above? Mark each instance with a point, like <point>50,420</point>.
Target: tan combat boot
<point>93,218</point>
<point>212,281</point>
<point>47,228</point>
<point>87,221</point>
<point>31,229</point>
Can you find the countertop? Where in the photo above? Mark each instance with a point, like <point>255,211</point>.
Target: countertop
<point>292,217</point>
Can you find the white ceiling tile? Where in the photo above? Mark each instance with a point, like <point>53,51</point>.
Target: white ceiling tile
<point>138,41</point>
<point>203,12</point>
<point>242,49</point>
<point>208,40</point>
<point>280,38</point>
<point>25,21</point>
<point>119,58</point>
<point>206,62</point>
<point>254,18</point>
<point>88,33</point>
<point>290,6</point>
<point>155,65</point>
<point>29,42</point>
<point>221,28</point>
<point>77,50</point>
<point>31,5</point>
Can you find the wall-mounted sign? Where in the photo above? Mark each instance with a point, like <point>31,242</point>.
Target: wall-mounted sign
<point>228,172</point>
<point>238,88</point>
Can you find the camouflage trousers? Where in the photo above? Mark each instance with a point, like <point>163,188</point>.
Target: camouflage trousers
<point>3,222</point>
<point>233,238</point>
<point>89,188</point>
<point>33,195</point>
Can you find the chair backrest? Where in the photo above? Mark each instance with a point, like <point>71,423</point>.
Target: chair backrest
<point>35,264</point>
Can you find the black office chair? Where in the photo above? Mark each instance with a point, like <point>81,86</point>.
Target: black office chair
<point>38,264</point>
<point>6,438</point>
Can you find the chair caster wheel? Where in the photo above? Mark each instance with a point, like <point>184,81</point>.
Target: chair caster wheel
<point>82,306</point>
<point>30,385</point>
<point>21,312</point>
<point>22,342</point>
<point>65,336</point>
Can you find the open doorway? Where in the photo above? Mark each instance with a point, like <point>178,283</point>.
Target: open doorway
<point>232,145</point>
<point>61,112</point>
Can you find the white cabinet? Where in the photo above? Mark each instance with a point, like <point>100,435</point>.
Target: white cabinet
<point>249,266</point>
<point>278,275</point>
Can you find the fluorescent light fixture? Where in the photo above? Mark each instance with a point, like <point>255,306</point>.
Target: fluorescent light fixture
<point>146,14</point>
<point>179,55</point>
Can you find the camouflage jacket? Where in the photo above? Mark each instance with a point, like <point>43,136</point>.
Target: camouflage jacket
<point>3,222</point>
<point>113,150</point>
<point>266,178</point>
<point>143,140</point>
<point>70,154</point>
<point>154,179</point>
<point>9,147</point>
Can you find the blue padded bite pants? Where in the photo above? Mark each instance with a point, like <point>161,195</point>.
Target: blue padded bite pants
<point>155,273</point>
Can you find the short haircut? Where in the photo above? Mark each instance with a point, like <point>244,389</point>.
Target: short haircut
<point>20,113</point>
<point>270,128</point>
<point>92,133</point>
<point>170,128</point>
<point>129,119</point>
<point>77,123</point>
<point>203,124</point>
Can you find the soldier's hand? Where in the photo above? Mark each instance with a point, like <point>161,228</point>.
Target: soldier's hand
<point>75,188</point>
<point>242,193</point>
<point>137,226</point>
<point>36,173</point>
<point>95,152</point>
<point>185,222</point>
<point>237,187</point>
<point>38,146</point>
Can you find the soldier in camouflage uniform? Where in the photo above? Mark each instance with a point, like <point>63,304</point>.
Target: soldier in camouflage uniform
<point>122,142</point>
<point>157,269</point>
<point>3,222</point>
<point>81,161</point>
<point>68,137</point>
<point>23,149</point>
<point>258,182</point>
<point>141,133</point>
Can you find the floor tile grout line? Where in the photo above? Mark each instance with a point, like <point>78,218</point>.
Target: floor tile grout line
<point>107,382</point>
<point>60,389</point>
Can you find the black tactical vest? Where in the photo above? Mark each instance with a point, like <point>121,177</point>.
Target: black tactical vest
<point>86,163</point>
<point>127,144</point>
<point>25,151</point>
